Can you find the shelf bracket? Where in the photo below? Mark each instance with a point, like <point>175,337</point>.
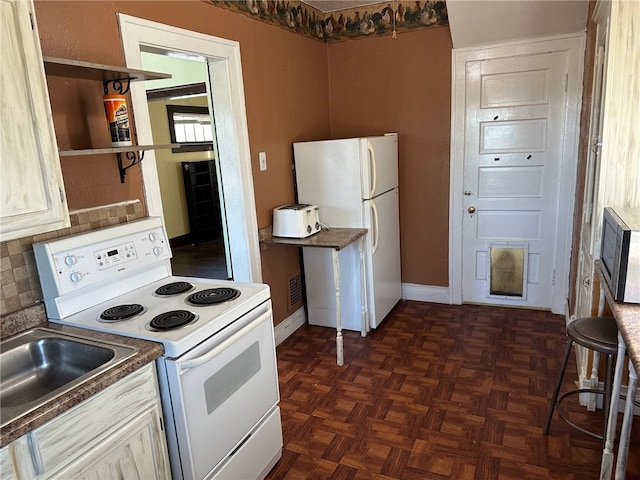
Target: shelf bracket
<point>119,85</point>
<point>134,158</point>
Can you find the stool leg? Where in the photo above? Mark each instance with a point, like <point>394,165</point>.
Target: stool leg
<point>554,400</point>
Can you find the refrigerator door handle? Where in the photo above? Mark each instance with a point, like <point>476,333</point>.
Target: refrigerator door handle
<point>374,211</point>
<point>373,168</point>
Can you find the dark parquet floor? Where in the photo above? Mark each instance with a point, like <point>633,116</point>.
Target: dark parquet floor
<point>436,392</point>
<point>205,260</point>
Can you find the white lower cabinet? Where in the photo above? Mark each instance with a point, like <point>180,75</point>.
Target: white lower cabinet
<point>6,468</point>
<point>117,433</point>
<point>129,452</point>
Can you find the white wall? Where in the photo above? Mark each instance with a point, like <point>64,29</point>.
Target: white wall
<point>619,184</point>
<point>481,22</point>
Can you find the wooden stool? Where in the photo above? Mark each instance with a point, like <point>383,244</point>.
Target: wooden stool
<point>595,333</point>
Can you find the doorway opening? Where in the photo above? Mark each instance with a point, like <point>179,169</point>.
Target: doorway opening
<point>231,149</point>
<point>188,175</point>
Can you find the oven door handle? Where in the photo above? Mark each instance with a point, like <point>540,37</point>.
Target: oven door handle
<point>185,365</point>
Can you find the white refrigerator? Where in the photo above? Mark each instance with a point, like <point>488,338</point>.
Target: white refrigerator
<point>354,182</point>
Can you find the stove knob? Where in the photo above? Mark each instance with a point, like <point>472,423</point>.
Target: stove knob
<point>153,236</point>
<point>70,259</point>
<point>75,277</point>
<point>157,251</point>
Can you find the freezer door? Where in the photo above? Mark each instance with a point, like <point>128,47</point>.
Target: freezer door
<point>382,256</point>
<point>379,165</point>
<point>328,174</point>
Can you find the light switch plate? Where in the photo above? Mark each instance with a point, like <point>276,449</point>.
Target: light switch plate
<point>263,161</point>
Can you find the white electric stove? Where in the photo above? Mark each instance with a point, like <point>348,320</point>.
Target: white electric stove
<point>218,376</point>
<point>179,312</point>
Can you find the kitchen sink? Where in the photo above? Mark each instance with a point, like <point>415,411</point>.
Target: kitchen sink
<point>40,364</point>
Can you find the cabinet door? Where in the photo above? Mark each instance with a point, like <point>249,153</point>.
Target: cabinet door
<point>116,433</point>
<point>131,452</point>
<point>31,188</point>
<point>6,465</point>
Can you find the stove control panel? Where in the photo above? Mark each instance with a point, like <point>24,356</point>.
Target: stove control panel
<point>95,258</point>
<point>114,256</point>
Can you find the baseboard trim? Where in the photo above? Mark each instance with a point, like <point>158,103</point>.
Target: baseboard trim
<point>590,400</point>
<point>289,325</point>
<point>425,293</point>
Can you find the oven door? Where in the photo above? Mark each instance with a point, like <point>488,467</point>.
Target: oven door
<point>221,389</point>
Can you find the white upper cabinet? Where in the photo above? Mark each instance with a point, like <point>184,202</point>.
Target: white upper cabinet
<point>31,185</point>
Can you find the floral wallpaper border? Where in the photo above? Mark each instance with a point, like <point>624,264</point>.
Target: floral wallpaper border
<point>384,18</point>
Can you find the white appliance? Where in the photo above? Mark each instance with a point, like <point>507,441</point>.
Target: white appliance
<point>354,182</point>
<point>296,220</point>
<point>218,377</point>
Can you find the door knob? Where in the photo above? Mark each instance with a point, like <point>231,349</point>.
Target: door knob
<point>471,209</point>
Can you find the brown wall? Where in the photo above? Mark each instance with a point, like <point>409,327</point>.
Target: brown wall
<point>286,93</point>
<point>295,89</point>
<point>380,85</point>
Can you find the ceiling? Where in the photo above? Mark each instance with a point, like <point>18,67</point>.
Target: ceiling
<point>480,22</point>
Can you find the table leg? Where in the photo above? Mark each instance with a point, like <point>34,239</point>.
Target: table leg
<point>336,283</point>
<point>625,432</point>
<point>606,466</point>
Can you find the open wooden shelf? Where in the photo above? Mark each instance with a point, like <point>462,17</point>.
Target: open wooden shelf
<point>102,151</point>
<point>62,67</point>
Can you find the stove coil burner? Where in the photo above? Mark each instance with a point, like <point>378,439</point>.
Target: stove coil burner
<point>121,312</point>
<point>172,319</point>
<point>174,288</point>
<point>212,296</point>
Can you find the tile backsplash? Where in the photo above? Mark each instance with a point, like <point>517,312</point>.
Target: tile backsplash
<point>18,274</point>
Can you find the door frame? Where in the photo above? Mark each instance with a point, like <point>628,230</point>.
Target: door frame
<point>227,95</point>
<point>574,46</point>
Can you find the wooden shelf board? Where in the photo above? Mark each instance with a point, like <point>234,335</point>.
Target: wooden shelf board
<point>62,67</point>
<point>104,151</point>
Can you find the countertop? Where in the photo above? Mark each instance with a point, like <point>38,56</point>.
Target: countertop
<point>336,238</point>
<point>147,353</point>
<point>627,317</point>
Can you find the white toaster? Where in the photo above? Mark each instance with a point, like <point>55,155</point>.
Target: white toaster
<point>296,221</point>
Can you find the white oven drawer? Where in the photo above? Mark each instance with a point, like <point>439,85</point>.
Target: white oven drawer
<point>257,455</point>
<point>221,389</point>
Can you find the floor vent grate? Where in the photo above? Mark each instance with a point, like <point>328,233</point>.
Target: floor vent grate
<point>295,291</point>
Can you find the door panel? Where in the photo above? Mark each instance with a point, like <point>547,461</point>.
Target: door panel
<point>513,147</point>
<point>505,89</point>
<point>502,225</point>
<point>510,182</point>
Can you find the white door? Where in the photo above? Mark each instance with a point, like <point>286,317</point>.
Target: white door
<point>514,134</point>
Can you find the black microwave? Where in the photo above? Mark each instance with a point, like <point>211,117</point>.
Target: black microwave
<point>620,253</point>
